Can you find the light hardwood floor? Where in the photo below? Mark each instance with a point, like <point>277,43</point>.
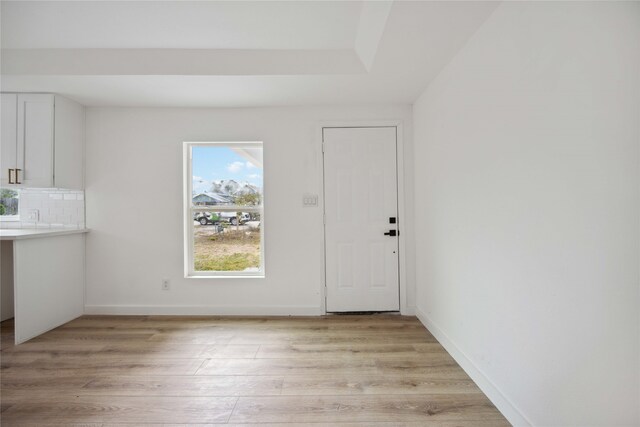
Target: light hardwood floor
<point>378,370</point>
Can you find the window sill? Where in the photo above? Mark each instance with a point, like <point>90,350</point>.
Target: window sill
<point>219,276</point>
<point>10,218</point>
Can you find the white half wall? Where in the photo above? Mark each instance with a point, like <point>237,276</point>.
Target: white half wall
<point>134,208</point>
<point>527,211</point>
<point>49,273</point>
<point>6,280</point>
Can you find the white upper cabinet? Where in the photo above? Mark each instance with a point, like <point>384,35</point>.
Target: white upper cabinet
<point>69,144</point>
<point>42,141</point>
<point>8,138</point>
<point>34,156</point>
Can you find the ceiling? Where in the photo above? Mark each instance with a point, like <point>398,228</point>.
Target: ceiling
<point>232,54</point>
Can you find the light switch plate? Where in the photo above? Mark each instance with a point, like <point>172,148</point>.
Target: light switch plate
<point>309,200</point>
<point>33,215</point>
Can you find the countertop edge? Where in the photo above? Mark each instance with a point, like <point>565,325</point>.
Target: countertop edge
<point>40,233</point>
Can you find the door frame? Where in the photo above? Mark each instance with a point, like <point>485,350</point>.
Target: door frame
<point>402,242</point>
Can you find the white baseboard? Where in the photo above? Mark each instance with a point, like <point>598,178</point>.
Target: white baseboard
<point>201,310</point>
<point>497,397</point>
<point>409,311</point>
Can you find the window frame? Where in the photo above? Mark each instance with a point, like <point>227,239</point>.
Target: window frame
<point>189,209</point>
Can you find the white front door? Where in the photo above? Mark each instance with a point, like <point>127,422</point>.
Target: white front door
<point>361,205</point>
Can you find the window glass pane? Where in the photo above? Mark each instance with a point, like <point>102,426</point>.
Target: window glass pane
<point>9,200</point>
<point>225,177</point>
<point>220,246</point>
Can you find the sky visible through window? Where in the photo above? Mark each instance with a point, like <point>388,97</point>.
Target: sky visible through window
<point>221,163</point>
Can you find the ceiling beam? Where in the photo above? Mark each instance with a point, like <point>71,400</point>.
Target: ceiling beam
<point>181,62</point>
<point>373,21</point>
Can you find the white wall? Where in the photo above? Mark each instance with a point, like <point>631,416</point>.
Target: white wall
<point>134,207</point>
<point>527,201</point>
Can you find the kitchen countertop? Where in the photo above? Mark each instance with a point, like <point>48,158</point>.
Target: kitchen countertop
<point>33,233</point>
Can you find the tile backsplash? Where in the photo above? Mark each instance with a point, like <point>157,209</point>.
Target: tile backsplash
<point>56,208</point>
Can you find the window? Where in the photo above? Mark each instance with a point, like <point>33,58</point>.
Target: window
<point>9,202</point>
<point>224,227</point>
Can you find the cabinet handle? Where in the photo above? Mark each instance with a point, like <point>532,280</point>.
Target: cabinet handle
<point>18,176</point>
<point>10,179</point>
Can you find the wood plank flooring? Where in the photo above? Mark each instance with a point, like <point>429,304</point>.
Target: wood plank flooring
<point>101,371</point>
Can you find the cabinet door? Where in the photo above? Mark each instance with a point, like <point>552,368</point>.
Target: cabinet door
<point>69,144</point>
<point>35,140</point>
<point>8,138</point>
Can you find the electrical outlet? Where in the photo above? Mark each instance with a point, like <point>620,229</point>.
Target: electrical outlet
<point>165,284</point>
<point>33,215</point>
<point>309,200</point>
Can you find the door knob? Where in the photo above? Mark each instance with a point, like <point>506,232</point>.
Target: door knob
<point>391,233</point>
